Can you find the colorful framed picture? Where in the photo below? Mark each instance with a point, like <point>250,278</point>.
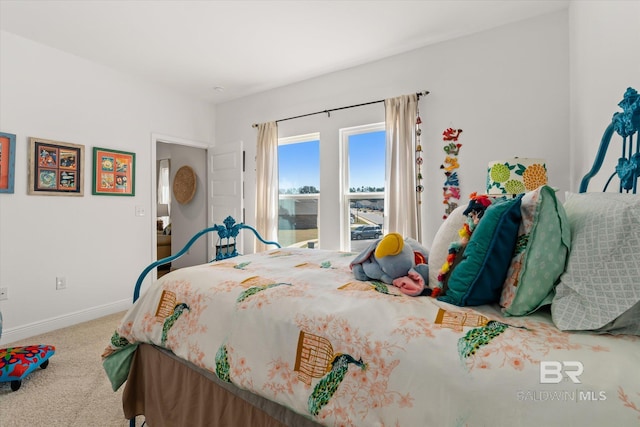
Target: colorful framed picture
<point>7,162</point>
<point>55,168</point>
<point>113,172</point>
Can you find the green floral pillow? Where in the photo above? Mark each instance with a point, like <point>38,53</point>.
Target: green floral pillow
<point>542,248</point>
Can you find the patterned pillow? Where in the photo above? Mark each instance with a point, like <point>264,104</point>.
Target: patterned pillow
<point>447,233</point>
<point>479,277</point>
<point>601,282</point>
<point>541,252</point>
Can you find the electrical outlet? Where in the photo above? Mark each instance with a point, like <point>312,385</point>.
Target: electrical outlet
<point>4,294</point>
<point>61,283</point>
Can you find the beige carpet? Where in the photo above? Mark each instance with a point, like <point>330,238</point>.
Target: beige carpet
<point>74,389</point>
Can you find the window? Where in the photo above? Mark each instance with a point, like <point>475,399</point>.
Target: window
<point>356,200</point>
<point>299,190</point>
<point>363,170</point>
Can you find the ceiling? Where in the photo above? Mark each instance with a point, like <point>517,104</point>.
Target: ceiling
<point>223,50</point>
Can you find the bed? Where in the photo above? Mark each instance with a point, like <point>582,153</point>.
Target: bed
<point>288,337</point>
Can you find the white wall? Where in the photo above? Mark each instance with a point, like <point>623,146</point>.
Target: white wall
<point>96,242</point>
<point>507,88</point>
<point>605,60</point>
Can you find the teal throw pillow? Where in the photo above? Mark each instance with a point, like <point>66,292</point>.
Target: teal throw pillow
<point>479,277</point>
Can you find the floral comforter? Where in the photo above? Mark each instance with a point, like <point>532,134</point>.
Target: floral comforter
<point>294,326</point>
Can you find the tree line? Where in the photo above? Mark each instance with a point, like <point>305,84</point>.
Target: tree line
<point>311,189</point>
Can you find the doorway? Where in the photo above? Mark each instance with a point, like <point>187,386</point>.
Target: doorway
<point>184,219</point>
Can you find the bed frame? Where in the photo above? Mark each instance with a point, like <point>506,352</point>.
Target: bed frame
<point>626,124</point>
<point>225,247</point>
<point>169,391</point>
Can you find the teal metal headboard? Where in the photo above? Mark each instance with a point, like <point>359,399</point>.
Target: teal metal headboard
<point>226,247</point>
<point>626,124</point>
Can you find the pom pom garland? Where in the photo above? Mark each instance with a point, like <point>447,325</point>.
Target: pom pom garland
<point>477,205</point>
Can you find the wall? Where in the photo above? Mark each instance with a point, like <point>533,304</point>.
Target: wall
<point>507,88</point>
<point>605,43</point>
<point>96,242</point>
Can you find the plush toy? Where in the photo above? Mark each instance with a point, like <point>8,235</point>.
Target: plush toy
<point>397,261</point>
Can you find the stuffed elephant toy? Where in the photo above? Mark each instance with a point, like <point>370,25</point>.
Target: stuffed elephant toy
<point>395,261</point>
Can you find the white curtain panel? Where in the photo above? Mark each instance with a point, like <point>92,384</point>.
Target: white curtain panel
<point>267,184</point>
<point>164,187</point>
<point>401,207</point>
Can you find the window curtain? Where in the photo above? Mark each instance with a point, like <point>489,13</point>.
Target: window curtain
<point>164,195</point>
<point>267,184</point>
<point>401,206</point>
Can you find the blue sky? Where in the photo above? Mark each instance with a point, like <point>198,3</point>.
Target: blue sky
<point>300,164</point>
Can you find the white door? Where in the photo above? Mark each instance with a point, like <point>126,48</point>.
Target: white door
<point>226,168</point>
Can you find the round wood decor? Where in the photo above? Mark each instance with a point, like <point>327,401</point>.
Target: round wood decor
<point>184,185</point>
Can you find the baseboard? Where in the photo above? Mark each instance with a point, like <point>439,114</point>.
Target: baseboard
<point>42,327</point>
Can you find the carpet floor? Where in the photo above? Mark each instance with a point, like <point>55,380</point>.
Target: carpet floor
<point>73,390</point>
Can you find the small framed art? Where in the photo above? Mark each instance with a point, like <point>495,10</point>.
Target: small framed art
<point>55,168</point>
<point>113,172</point>
<point>7,162</point>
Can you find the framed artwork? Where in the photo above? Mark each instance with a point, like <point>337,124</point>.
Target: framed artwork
<point>7,162</point>
<point>113,172</point>
<point>55,168</point>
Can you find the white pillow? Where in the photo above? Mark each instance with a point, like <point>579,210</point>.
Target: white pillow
<point>602,279</point>
<point>447,233</point>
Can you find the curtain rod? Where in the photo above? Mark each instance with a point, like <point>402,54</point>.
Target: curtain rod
<point>328,112</point>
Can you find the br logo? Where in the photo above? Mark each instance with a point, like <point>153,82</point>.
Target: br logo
<point>552,372</point>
